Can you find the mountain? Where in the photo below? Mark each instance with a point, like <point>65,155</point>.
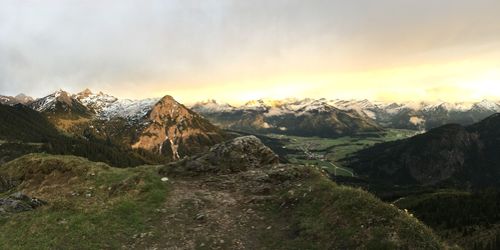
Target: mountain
<point>60,103</point>
<point>421,115</point>
<point>23,131</point>
<point>19,99</point>
<point>19,122</point>
<point>450,155</point>
<point>158,126</point>
<point>306,117</point>
<point>95,102</point>
<point>406,115</point>
<point>174,130</point>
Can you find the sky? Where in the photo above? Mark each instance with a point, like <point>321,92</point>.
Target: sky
<point>237,50</point>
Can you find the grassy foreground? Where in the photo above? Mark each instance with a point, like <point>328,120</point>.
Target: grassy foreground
<point>94,206</point>
<point>90,205</point>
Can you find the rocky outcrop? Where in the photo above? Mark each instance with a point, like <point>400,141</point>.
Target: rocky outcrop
<point>173,130</point>
<point>19,202</point>
<point>237,155</point>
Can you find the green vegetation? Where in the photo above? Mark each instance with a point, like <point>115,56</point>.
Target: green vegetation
<point>90,205</point>
<point>327,152</point>
<point>320,214</point>
<point>23,131</point>
<point>470,219</point>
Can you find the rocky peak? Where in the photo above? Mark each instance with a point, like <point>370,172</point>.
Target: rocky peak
<point>95,102</point>
<point>23,99</point>
<point>85,93</point>
<point>64,97</point>
<point>175,131</point>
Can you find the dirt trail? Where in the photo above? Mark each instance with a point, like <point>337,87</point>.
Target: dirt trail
<point>207,214</point>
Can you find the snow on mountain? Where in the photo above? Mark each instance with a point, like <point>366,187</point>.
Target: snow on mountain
<point>486,105</point>
<point>95,102</point>
<point>49,102</point>
<point>128,109</point>
<point>212,106</point>
<point>6,100</point>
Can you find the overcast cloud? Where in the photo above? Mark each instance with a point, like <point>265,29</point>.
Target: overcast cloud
<point>171,45</point>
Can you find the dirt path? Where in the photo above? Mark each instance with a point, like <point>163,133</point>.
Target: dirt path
<point>206,214</point>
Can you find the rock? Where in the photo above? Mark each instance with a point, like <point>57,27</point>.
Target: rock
<point>19,196</point>
<point>19,202</point>
<point>233,156</point>
<point>199,217</point>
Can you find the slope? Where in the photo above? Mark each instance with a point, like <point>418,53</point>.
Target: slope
<point>451,155</point>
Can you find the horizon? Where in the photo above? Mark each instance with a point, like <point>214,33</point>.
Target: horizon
<point>240,51</point>
<point>244,102</point>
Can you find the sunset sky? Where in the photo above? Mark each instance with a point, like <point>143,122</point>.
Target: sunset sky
<point>233,50</point>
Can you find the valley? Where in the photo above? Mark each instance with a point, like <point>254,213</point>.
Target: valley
<point>327,153</point>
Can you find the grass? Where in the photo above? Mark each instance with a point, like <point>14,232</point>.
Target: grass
<point>414,200</point>
<point>122,203</point>
<point>320,214</point>
<point>335,149</point>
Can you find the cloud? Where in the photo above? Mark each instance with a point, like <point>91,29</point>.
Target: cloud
<point>139,48</point>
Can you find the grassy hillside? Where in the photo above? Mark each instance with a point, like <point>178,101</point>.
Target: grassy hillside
<point>90,205</point>
<point>323,215</point>
<point>470,219</point>
<point>22,123</point>
<point>95,206</point>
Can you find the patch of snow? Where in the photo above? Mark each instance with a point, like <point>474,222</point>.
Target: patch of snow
<point>129,109</point>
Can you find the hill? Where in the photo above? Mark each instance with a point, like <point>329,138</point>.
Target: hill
<point>23,130</point>
<point>451,155</point>
<point>242,199</point>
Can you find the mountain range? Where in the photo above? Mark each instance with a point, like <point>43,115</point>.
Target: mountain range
<point>12,100</point>
<point>320,117</point>
<point>160,126</point>
<point>269,114</point>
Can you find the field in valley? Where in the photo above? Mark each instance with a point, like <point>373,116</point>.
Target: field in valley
<point>327,152</point>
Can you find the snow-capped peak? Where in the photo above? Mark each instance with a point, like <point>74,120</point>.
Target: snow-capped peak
<point>212,106</point>
<point>95,102</point>
<point>48,102</point>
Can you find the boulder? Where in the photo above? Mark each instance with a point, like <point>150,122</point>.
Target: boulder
<point>239,154</point>
<point>19,202</point>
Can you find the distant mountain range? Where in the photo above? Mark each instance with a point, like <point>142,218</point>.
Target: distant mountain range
<point>272,114</point>
<point>13,100</point>
<point>295,117</point>
<point>142,123</point>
